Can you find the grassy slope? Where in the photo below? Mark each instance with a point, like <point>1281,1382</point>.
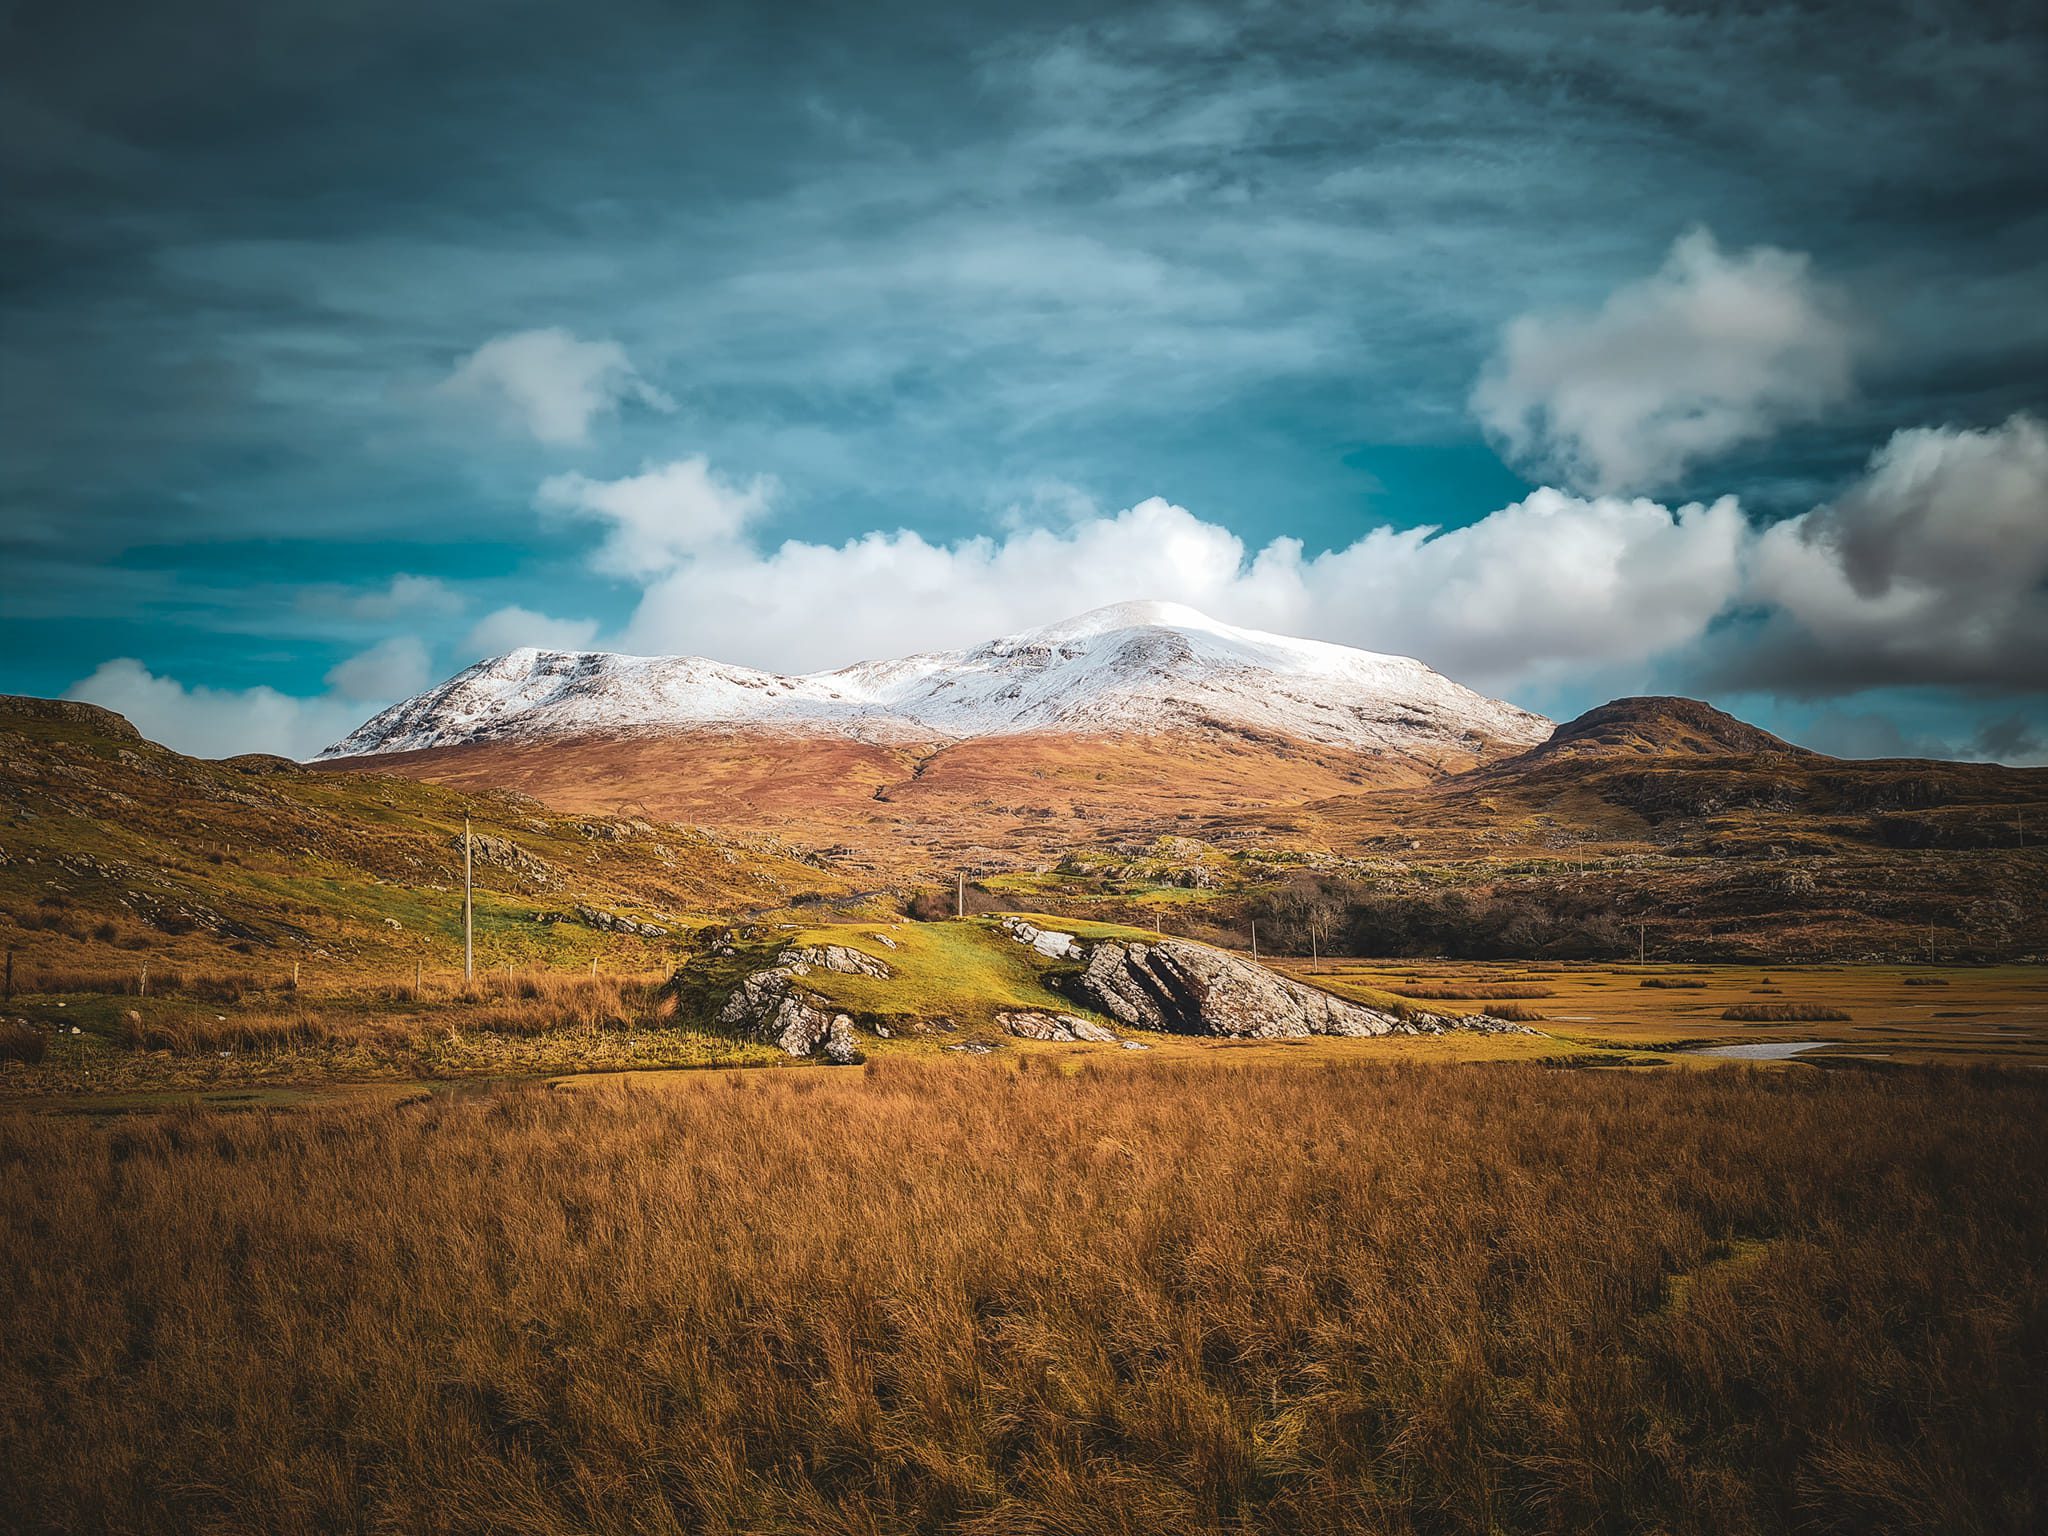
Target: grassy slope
<point>115,853</point>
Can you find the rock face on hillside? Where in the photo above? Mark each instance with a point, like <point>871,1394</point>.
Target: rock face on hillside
<point>103,722</point>
<point>1190,989</point>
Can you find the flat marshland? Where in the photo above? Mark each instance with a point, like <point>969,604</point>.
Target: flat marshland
<point>1035,1295</point>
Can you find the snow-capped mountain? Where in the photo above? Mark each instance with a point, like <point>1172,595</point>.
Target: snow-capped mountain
<point>1130,668</point>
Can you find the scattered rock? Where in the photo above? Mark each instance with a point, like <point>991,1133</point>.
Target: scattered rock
<point>503,853</point>
<point>1048,942</point>
<point>975,1047</point>
<point>611,922</point>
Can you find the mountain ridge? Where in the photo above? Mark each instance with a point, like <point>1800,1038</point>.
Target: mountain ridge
<point>1130,667</point>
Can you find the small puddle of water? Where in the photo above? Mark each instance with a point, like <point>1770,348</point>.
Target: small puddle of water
<point>1764,1050</point>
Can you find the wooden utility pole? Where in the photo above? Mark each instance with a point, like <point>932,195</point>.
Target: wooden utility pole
<point>1255,938</point>
<point>468,913</point>
<point>1315,963</point>
<point>1642,943</point>
<point>960,894</point>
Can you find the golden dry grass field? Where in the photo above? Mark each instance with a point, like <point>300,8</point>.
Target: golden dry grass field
<point>1033,1296</point>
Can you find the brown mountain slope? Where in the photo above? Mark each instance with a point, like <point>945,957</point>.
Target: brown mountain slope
<point>908,809</point>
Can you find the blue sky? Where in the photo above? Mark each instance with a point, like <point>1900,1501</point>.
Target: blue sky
<point>344,343</point>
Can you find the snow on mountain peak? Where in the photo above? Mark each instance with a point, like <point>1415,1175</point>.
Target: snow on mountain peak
<point>1130,668</point>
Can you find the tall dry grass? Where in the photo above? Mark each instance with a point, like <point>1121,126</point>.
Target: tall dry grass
<point>960,1297</point>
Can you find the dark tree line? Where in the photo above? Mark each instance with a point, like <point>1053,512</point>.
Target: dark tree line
<point>1348,918</point>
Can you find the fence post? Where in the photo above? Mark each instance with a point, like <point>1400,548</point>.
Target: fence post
<point>468,912</point>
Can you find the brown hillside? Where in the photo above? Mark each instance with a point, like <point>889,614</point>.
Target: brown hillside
<point>993,801</point>
<point>1659,727</point>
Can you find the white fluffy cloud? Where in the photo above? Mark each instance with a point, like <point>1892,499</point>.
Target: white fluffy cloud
<point>1550,582</point>
<point>509,628</point>
<point>1928,569</point>
<point>552,384</point>
<point>1712,351</point>
<point>217,722</point>
<point>388,670</point>
<point>662,516</point>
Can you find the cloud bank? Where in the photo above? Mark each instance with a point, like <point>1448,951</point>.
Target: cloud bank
<point>1928,569</point>
<point>217,722</point>
<point>1712,351</point>
<point>221,722</point>
<point>1552,582</point>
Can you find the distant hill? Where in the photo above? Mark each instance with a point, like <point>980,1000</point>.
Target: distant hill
<point>1660,727</point>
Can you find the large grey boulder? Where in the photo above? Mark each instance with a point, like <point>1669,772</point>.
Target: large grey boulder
<point>1190,989</point>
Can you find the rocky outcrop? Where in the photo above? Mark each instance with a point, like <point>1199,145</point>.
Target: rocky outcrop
<point>611,922</point>
<point>1190,989</point>
<point>503,853</point>
<point>1062,1027</point>
<point>770,1006</point>
<point>833,957</point>
<point>774,1006</point>
<point>1047,941</point>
